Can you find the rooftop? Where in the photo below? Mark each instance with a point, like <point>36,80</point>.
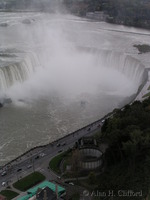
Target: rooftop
<point>31,192</point>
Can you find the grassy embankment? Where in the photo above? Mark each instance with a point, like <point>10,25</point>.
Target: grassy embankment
<point>54,164</point>
<point>9,194</point>
<point>29,181</point>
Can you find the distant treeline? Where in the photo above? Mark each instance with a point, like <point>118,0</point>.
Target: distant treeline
<point>33,5</point>
<point>132,13</point>
<point>127,159</point>
<point>128,12</point>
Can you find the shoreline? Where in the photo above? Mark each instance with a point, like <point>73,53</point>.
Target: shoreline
<point>38,149</point>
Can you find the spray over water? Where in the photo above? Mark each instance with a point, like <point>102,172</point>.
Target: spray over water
<point>48,68</point>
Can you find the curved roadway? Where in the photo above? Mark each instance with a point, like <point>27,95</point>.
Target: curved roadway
<point>38,159</point>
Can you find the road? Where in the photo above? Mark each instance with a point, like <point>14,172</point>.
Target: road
<point>39,158</point>
<point>18,168</point>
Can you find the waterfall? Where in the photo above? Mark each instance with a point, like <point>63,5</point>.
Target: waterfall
<point>19,71</point>
<point>127,65</point>
<point>132,68</point>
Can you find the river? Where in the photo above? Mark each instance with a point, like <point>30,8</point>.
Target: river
<point>61,73</point>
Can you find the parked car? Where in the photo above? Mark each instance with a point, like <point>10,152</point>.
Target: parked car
<point>60,151</point>
<point>42,154</point>
<point>58,145</point>
<point>37,157</point>
<point>103,121</point>
<point>29,166</point>
<point>3,183</point>
<point>89,129</point>
<point>3,173</point>
<point>71,183</point>
<point>18,170</point>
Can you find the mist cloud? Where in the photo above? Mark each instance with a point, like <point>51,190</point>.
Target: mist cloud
<point>63,70</point>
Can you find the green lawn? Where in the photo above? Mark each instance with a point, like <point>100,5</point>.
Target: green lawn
<point>55,163</point>
<point>29,181</point>
<point>75,196</point>
<point>9,194</point>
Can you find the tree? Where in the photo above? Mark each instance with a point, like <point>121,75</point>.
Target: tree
<point>91,178</point>
<point>75,162</point>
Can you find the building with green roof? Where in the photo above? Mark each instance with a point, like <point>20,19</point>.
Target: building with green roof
<point>31,192</point>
